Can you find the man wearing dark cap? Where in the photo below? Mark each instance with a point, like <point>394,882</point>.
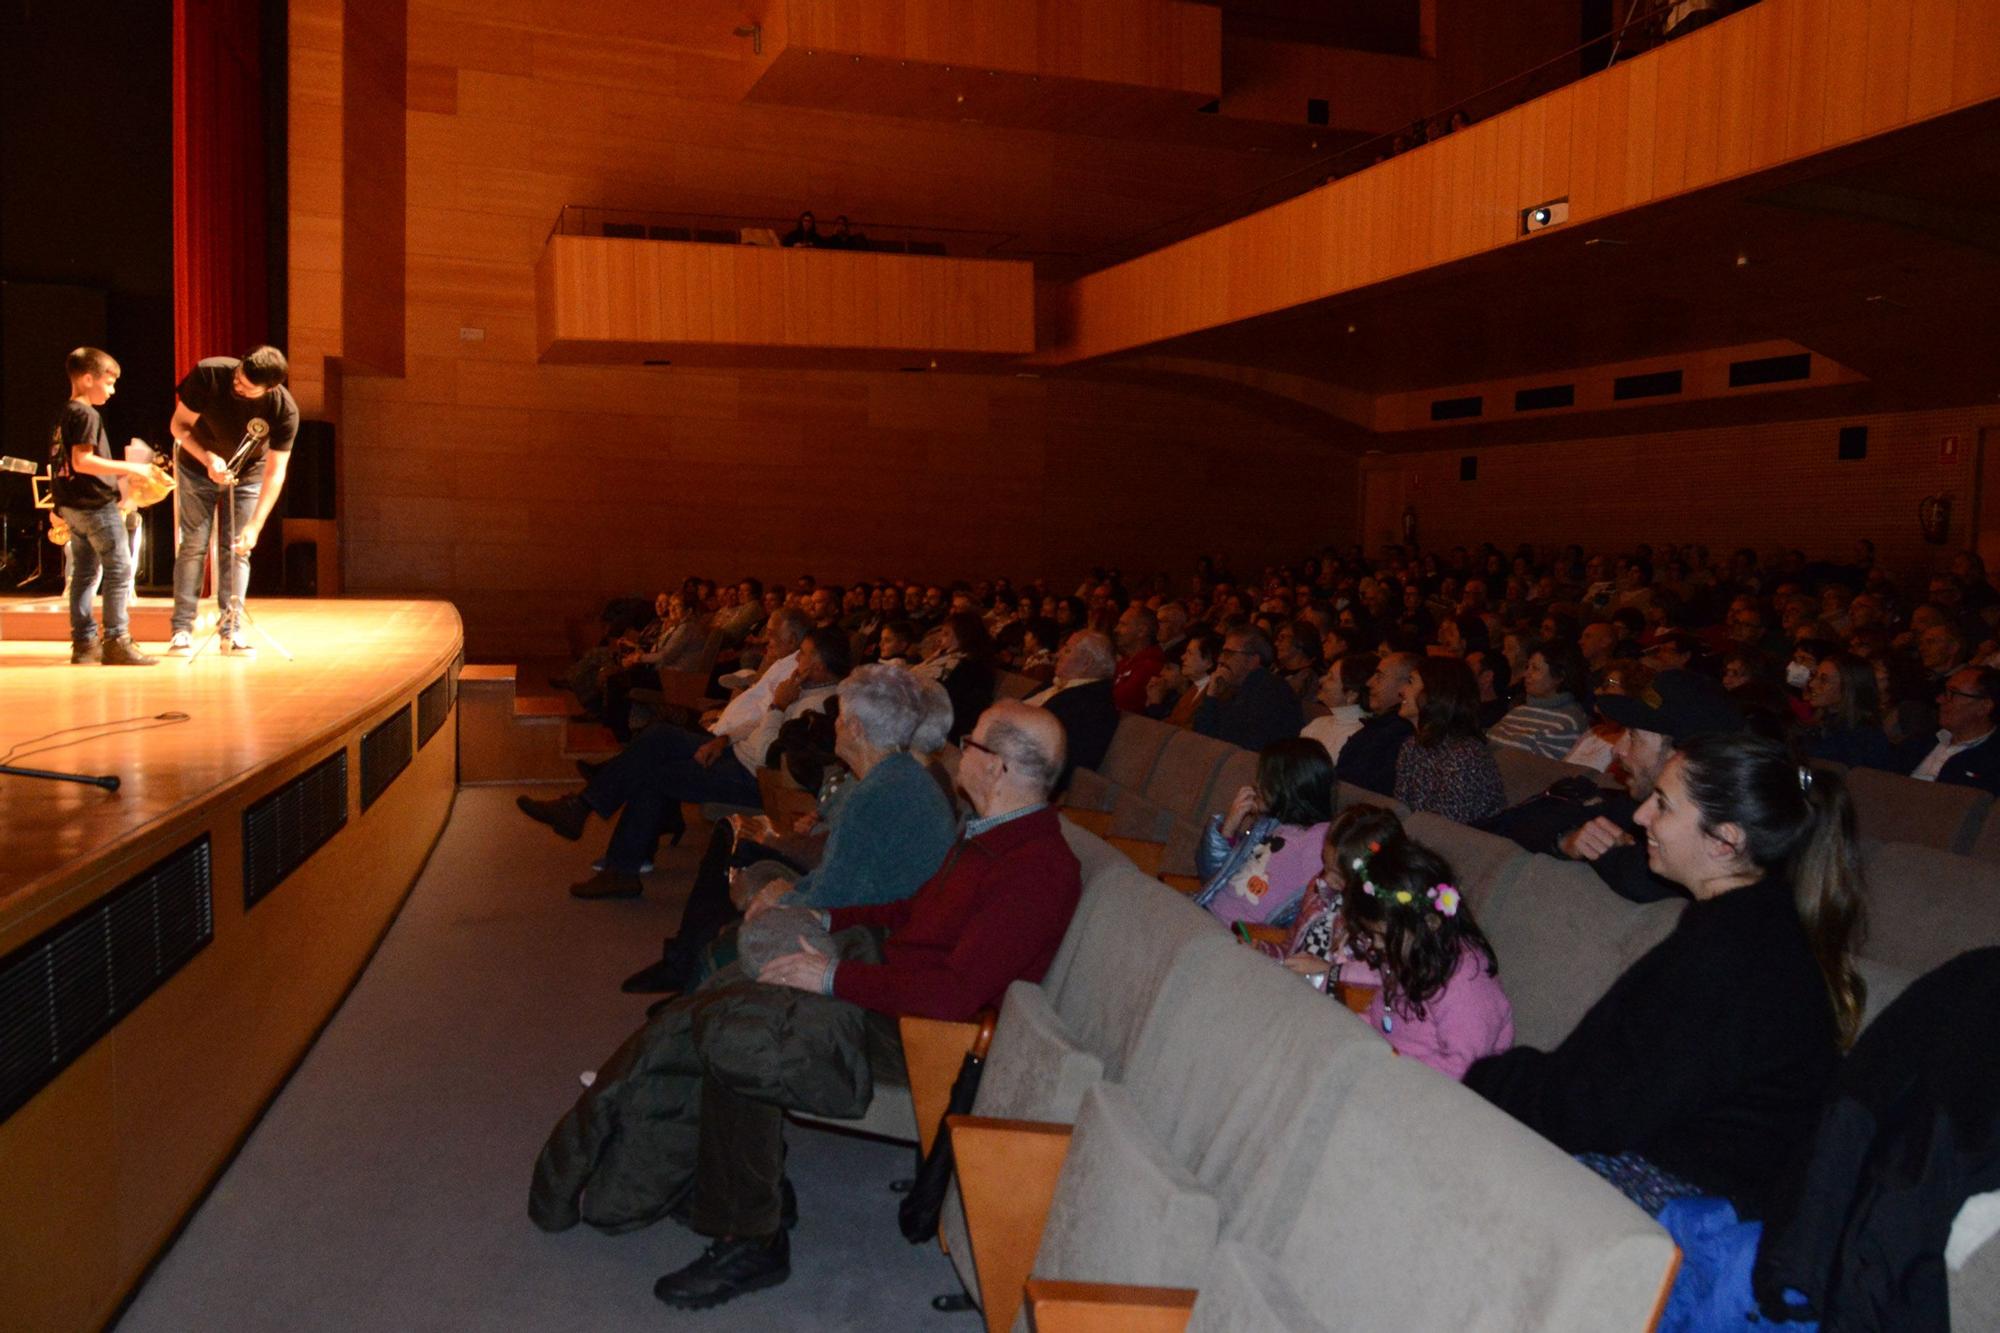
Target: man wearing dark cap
<point>1580,821</point>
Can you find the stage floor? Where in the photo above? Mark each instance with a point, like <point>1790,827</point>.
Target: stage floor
<point>241,715</point>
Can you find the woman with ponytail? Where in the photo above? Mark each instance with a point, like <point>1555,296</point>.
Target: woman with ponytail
<point>1704,1066</point>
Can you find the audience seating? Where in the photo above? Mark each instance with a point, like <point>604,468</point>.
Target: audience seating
<point>1125,946</point>
<point>1890,808</point>
<point>1562,938</point>
<point>1223,1120</point>
<point>1524,773</point>
<point>1178,1057</point>
<point>1014,685</point>
<point>1484,863</point>
<point>1427,1208</point>
<point>1986,846</point>
<point>1926,906</point>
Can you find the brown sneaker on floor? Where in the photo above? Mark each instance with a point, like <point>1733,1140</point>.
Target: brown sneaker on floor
<point>608,884</point>
<point>90,653</point>
<point>121,651</point>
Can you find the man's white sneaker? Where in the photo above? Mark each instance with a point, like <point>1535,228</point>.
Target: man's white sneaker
<point>237,648</point>
<point>181,645</point>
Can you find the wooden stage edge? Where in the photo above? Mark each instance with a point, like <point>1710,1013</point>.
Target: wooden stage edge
<point>270,819</point>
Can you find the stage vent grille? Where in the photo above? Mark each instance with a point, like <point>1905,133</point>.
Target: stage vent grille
<point>69,985</point>
<point>433,706</point>
<point>385,752</point>
<point>285,828</point>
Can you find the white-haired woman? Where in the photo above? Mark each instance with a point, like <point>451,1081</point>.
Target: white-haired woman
<point>891,825</point>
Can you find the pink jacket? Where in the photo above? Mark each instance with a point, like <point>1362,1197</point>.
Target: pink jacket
<point>1468,1020</point>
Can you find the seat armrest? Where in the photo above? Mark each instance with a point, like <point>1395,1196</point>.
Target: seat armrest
<point>1145,855</point>
<point>1104,1307</point>
<point>933,1051</point>
<point>1007,1173</point>
<point>1091,821</point>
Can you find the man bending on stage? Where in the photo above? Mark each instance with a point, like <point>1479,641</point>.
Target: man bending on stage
<point>83,476</point>
<point>236,412</point>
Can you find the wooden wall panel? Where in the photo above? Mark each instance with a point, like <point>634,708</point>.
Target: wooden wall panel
<point>532,493</point>
<point>648,298</point>
<point>374,97</point>
<point>1780,81</point>
<point>1688,485</point>
<point>1148,43</point>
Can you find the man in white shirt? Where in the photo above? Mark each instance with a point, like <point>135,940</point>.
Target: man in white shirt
<point>1344,691</point>
<point>1965,714</point>
<point>667,759</point>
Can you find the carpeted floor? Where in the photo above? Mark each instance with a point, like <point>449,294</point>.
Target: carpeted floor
<point>387,1187</point>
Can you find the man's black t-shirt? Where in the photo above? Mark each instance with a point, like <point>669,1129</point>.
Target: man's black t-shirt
<point>210,391</point>
<point>79,424</point>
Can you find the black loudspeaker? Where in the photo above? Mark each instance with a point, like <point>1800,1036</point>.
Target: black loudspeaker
<point>302,569</point>
<point>309,484</point>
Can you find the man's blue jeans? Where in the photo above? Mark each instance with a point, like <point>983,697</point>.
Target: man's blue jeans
<point>99,551</point>
<point>649,779</point>
<point>198,497</point>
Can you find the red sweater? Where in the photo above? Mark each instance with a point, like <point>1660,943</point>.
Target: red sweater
<point>995,912</point>
<point>1128,684</point>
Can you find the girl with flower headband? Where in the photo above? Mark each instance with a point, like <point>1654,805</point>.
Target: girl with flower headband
<point>1320,932</point>
<point>1440,999</point>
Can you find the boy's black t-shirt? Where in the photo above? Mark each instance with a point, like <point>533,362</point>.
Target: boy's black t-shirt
<point>79,424</point>
<point>210,391</point>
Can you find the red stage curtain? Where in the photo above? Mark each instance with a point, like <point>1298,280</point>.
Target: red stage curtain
<point>221,305</point>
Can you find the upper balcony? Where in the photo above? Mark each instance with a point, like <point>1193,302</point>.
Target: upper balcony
<point>620,288</point>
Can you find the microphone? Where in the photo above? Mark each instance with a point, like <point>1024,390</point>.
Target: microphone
<point>20,465</point>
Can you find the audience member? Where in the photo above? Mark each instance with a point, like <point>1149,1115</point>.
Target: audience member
<point>1703,1068</point>
<point>1256,860</point>
<point>1344,692</point>
<point>1369,757</point>
<point>1445,767</point>
<point>1847,715</point>
<point>1437,995</point>
<point>646,782</point>
<point>961,661</point>
<point>995,913</point>
<point>1550,718</point>
<point>1246,705</point>
<point>1082,699</point>
<point>1139,657</point>
<point>1965,754</point>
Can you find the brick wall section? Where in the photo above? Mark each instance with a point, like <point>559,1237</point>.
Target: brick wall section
<point>1762,486</point>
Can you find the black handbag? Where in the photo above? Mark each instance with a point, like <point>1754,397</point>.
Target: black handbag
<point>918,1213</point>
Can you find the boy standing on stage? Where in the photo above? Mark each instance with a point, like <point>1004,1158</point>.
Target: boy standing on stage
<point>226,404</point>
<point>83,477</point>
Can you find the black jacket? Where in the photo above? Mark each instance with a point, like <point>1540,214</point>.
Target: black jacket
<point>1088,718</point>
<point>1709,1057</point>
<point>1368,759</point>
<point>1541,822</point>
<point>1263,709</point>
<point>1912,1132</point>
<point>1978,767</point>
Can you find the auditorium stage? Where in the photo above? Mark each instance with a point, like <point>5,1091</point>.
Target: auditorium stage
<point>168,950</point>
<point>351,657</point>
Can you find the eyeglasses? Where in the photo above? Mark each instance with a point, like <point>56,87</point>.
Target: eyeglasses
<point>1974,695</point>
<point>967,743</point>
<point>1236,652</point>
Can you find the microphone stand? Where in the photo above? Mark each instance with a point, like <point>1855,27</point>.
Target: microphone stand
<point>109,781</point>
<point>225,503</point>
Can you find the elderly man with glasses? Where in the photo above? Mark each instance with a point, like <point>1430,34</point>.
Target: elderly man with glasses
<point>1247,705</point>
<point>994,913</point>
<point>1965,754</point>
